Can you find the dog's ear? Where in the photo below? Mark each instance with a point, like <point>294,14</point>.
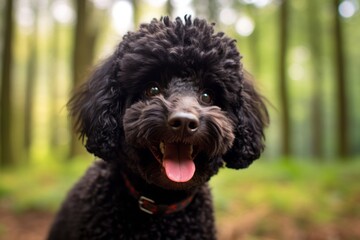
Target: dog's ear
<point>96,110</point>
<point>251,118</point>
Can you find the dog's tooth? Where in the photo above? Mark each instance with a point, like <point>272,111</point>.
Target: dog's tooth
<point>162,147</point>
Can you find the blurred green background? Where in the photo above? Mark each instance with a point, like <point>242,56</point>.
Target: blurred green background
<point>304,55</point>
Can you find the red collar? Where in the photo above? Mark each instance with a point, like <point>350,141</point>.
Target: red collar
<point>149,206</point>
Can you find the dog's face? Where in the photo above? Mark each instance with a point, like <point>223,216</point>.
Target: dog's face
<point>172,104</point>
<point>179,129</point>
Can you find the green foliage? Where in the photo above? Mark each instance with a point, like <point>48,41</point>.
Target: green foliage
<point>308,192</point>
<point>302,189</point>
<point>40,186</point>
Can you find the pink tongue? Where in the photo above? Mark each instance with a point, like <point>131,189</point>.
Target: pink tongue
<point>177,161</point>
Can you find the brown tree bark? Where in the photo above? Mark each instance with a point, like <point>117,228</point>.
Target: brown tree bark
<point>339,61</point>
<point>6,154</point>
<point>53,85</point>
<point>31,72</point>
<point>317,75</point>
<point>283,84</point>
<point>86,30</point>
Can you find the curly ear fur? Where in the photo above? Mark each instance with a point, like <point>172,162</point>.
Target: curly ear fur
<point>252,118</point>
<point>96,110</point>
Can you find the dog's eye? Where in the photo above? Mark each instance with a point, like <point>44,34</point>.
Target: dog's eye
<point>206,98</point>
<point>153,91</point>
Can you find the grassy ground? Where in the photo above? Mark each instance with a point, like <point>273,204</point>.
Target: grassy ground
<point>270,200</point>
<point>297,200</point>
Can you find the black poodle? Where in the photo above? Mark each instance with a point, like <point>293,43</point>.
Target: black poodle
<point>168,109</point>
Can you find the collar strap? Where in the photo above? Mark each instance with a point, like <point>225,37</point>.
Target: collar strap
<point>149,206</point>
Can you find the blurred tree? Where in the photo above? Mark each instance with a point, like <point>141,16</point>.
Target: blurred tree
<point>31,72</point>
<point>339,62</point>
<point>254,39</point>
<point>315,43</point>
<point>136,13</point>
<point>54,73</point>
<point>284,98</point>
<point>209,8</point>
<point>86,33</point>
<point>6,154</point>
<point>169,8</point>
<point>213,10</point>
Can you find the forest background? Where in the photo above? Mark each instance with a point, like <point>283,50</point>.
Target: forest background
<point>304,55</point>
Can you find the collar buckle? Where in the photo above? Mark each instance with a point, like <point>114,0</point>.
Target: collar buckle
<point>147,205</point>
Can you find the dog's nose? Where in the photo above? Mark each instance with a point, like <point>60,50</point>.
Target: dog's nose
<point>183,122</point>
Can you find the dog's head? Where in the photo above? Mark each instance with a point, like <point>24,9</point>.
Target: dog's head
<point>175,102</point>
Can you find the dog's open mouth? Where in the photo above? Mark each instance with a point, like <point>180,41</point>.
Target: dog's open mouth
<point>177,159</point>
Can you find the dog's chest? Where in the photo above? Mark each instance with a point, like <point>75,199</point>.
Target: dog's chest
<point>194,222</point>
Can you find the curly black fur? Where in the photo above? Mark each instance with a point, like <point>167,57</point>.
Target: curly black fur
<point>135,101</point>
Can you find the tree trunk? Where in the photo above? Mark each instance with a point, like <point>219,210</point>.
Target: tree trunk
<point>54,73</point>
<point>254,40</point>
<point>86,31</point>
<point>169,8</point>
<point>317,75</point>
<point>209,8</point>
<point>6,154</point>
<point>213,10</point>
<point>136,13</point>
<point>30,84</point>
<point>79,64</point>
<point>339,62</point>
<point>284,98</point>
